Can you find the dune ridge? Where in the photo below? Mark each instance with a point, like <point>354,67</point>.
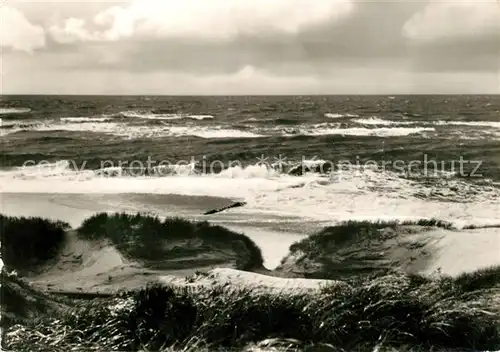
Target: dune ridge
<point>336,288</point>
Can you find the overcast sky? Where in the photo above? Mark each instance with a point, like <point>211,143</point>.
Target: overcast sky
<point>250,47</point>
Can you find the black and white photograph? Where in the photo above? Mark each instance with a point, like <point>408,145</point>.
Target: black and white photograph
<point>250,175</point>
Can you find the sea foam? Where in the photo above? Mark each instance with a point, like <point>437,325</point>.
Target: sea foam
<point>5,111</point>
<point>160,116</point>
<point>341,195</point>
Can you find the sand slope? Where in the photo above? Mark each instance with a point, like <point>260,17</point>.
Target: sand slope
<point>257,282</point>
<point>89,266</point>
<point>84,266</point>
<point>419,250</point>
<point>455,252</point>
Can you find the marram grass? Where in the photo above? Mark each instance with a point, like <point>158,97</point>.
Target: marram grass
<point>408,313</point>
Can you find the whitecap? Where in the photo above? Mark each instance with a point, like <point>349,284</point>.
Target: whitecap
<point>493,124</point>
<point>85,119</point>
<point>376,132</point>
<point>5,111</point>
<point>201,117</point>
<point>338,116</point>
<point>131,132</point>
<point>345,194</point>
<point>381,122</point>
<point>157,116</point>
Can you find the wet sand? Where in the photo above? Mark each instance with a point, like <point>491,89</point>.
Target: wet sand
<point>74,208</point>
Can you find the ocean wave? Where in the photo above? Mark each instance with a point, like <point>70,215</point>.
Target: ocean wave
<point>7,111</point>
<point>13,124</point>
<point>164,116</point>
<point>493,124</point>
<point>374,127</point>
<point>326,128</point>
<point>85,119</point>
<point>129,131</point>
<point>335,194</point>
<point>138,131</point>
<point>356,131</point>
<point>214,132</point>
<point>273,121</point>
<point>376,121</point>
<point>17,126</point>
<point>200,117</point>
<point>332,115</point>
<point>381,122</point>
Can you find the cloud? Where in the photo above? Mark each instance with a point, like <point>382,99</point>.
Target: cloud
<point>458,36</point>
<point>17,33</point>
<point>460,18</point>
<point>201,19</point>
<point>353,38</point>
<point>260,46</point>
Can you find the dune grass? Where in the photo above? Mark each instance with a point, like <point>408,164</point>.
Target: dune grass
<point>403,312</point>
<point>431,223</point>
<point>144,237</point>
<point>351,248</point>
<point>475,227</point>
<point>353,231</point>
<point>29,241</point>
<point>20,303</point>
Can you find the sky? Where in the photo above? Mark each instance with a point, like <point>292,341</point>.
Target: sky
<point>232,47</point>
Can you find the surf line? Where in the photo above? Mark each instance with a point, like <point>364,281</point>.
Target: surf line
<point>234,205</point>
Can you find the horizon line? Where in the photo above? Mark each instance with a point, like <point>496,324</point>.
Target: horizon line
<point>246,95</point>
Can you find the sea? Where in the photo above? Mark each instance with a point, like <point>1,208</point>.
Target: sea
<point>298,162</point>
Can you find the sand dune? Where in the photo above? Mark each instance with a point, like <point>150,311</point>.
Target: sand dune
<point>257,282</point>
<point>455,252</point>
<point>89,267</point>
<point>98,267</point>
<point>415,249</point>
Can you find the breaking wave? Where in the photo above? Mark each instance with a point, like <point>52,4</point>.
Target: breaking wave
<point>136,131</point>
<point>129,131</point>
<point>376,121</point>
<point>301,190</point>
<point>331,115</point>
<point>85,119</point>
<point>325,129</point>
<point>493,124</point>
<point>164,116</point>
<point>381,122</point>
<point>273,121</point>
<point>7,111</point>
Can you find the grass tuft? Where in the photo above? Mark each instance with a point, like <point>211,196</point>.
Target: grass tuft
<point>394,311</point>
<point>144,237</point>
<point>27,242</point>
<point>352,248</point>
<point>353,231</point>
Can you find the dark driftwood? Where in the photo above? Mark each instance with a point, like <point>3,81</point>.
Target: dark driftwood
<point>234,205</point>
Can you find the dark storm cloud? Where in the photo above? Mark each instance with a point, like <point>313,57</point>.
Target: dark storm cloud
<point>361,46</point>
<point>472,53</point>
<point>371,33</point>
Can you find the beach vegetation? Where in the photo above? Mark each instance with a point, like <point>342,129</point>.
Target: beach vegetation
<point>147,237</point>
<point>30,241</point>
<point>402,312</point>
